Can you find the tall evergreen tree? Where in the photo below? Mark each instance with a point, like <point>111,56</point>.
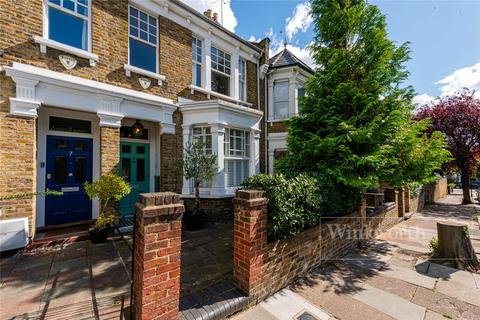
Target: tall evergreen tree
<point>355,102</point>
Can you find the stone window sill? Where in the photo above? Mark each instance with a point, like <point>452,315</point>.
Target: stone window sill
<point>218,95</point>
<point>129,69</point>
<point>44,43</point>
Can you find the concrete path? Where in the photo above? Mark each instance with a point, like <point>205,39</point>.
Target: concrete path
<point>393,279</point>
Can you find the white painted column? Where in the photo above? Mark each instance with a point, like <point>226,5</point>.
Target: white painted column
<point>235,92</point>
<point>292,95</point>
<point>207,74</point>
<point>270,99</point>
<point>254,152</point>
<point>186,189</point>
<point>270,161</point>
<point>218,138</point>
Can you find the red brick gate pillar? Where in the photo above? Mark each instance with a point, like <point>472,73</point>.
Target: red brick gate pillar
<point>401,202</point>
<point>249,239</point>
<point>156,258</point>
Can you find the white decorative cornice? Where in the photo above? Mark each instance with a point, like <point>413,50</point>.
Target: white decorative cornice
<point>110,105</point>
<point>110,120</point>
<point>24,108</point>
<point>167,128</point>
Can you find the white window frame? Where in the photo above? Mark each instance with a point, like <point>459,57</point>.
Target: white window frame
<point>46,20</point>
<point>243,81</point>
<point>281,101</point>
<point>212,69</point>
<point>203,136</point>
<point>143,41</point>
<point>246,156</point>
<point>196,63</point>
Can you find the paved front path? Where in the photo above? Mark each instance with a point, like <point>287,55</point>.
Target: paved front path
<point>391,280</point>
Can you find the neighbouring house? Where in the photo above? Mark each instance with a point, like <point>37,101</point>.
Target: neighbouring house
<point>286,79</point>
<point>91,87</point>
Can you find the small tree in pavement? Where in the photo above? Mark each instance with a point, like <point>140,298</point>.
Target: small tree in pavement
<point>458,118</point>
<point>200,166</point>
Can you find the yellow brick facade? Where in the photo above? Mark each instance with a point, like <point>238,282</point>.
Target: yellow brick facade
<point>22,20</point>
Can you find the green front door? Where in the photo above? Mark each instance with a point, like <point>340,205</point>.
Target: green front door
<point>135,169</point>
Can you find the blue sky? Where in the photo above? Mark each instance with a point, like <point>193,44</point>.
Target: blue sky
<point>444,35</point>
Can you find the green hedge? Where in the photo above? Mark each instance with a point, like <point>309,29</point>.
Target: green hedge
<point>297,203</point>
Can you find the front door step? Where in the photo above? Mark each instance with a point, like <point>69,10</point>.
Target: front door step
<point>216,301</point>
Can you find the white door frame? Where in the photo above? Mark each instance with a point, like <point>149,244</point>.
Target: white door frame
<point>44,114</point>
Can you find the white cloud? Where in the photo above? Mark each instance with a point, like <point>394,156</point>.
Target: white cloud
<point>229,19</point>
<point>468,77</point>
<point>422,99</point>
<point>301,19</point>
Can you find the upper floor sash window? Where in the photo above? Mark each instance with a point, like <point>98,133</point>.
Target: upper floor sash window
<point>196,62</point>
<point>242,79</point>
<point>221,70</point>
<point>143,40</point>
<point>68,22</point>
<point>280,100</point>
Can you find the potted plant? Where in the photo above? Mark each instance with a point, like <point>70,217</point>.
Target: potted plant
<point>108,189</point>
<point>201,166</point>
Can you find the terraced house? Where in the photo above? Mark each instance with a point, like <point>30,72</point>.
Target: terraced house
<point>91,87</point>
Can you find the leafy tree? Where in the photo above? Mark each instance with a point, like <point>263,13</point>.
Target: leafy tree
<point>355,112</point>
<point>199,166</point>
<point>458,118</point>
<point>417,155</point>
<point>107,189</point>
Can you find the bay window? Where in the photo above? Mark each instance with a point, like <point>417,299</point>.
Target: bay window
<point>280,99</point>
<point>196,62</point>
<point>237,156</point>
<point>221,69</point>
<point>142,41</point>
<point>242,78</point>
<point>68,22</point>
<point>204,135</point>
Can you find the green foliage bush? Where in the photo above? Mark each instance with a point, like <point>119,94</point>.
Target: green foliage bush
<point>297,203</point>
<point>107,189</point>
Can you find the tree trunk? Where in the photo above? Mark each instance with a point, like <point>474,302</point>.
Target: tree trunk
<point>466,188</point>
<point>197,195</point>
<point>455,247</point>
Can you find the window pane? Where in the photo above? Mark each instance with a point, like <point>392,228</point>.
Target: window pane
<point>69,4</point>
<point>220,83</point>
<point>134,31</point>
<point>80,169</point>
<point>70,125</point>
<point>197,75</point>
<point>60,170</point>
<point>67,29</point>
<point>281,91</point>
<point>126,169</point>
<point>301,92</point>
<point>280,110</point>
<point>143,55</point>
<point>140,170</point>
<point>133,12</point>
<point>126,149</point>
<point>141,149</point>
<point>82,10</point>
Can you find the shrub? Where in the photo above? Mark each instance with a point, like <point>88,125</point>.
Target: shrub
<point>107,189</point>
<point>298,202</point>
<point>433,246</point>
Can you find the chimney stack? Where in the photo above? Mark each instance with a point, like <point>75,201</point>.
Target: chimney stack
<point>215,17</point>
<point>208,13</point>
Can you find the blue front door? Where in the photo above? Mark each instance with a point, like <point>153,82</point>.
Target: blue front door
<point>69,165</point>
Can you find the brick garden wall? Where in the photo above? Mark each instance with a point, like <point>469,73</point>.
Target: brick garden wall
<point>430,193</point>
<point>261,268</point>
